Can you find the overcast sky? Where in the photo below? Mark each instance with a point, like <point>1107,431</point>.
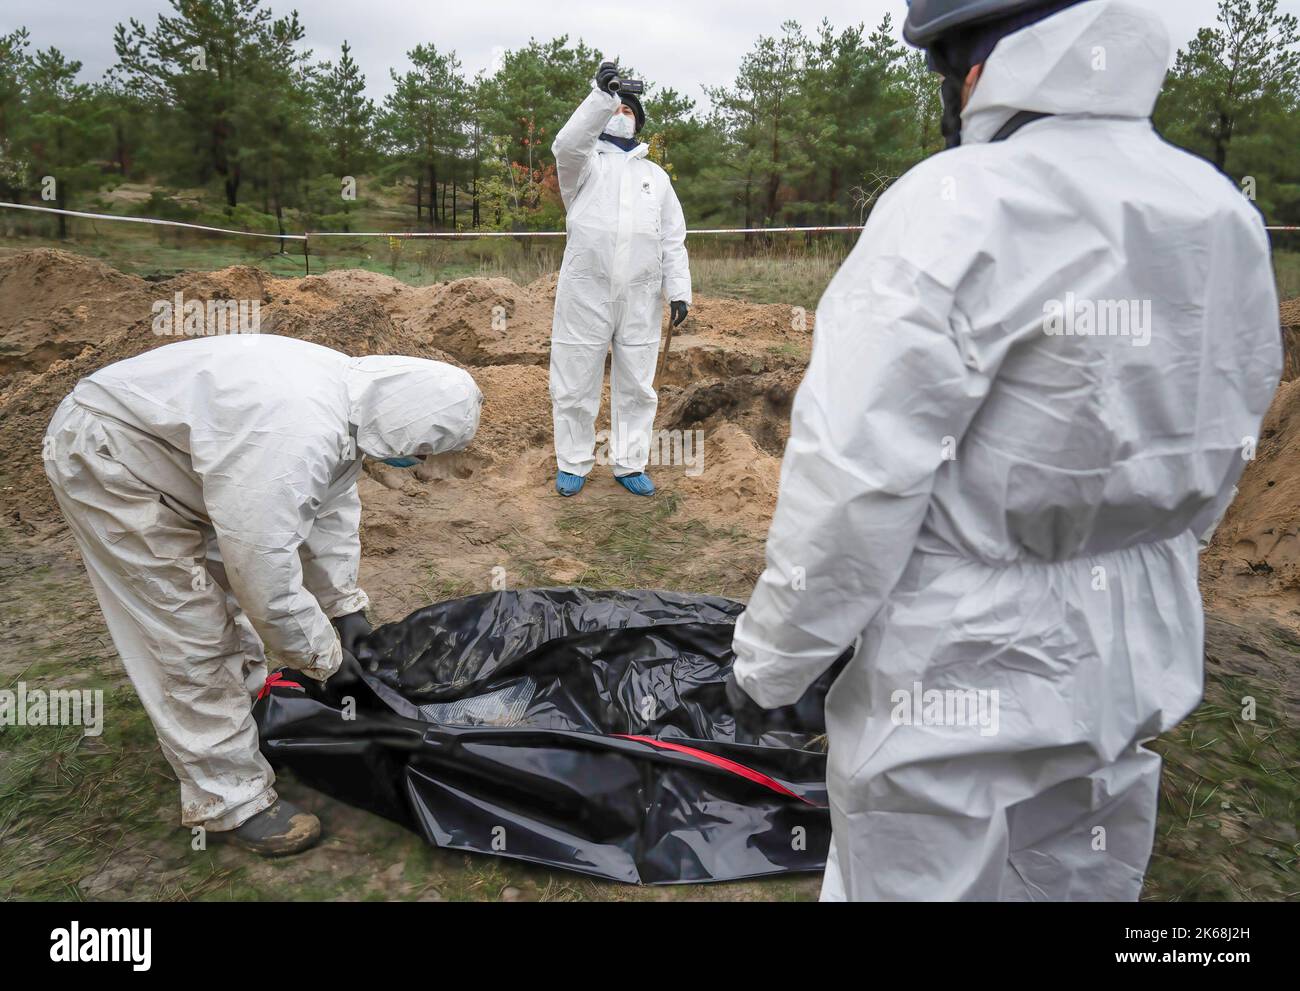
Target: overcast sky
<point>686,44</point>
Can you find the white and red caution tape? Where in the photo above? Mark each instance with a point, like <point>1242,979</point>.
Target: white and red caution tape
<point>149,220</point>
<point>448,235</point>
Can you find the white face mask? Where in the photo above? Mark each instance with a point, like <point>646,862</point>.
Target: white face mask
<point>621,126</point>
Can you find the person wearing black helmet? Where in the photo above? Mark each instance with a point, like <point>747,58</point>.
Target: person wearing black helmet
<point>1034,385</point>
<point>958,35</point>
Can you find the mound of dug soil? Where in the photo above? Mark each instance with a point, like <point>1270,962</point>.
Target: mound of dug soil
<point>53,304</point>
<point>483,321</point>
<point>62,317</point>
<point>1256,551</point>
<point>1291,338</point>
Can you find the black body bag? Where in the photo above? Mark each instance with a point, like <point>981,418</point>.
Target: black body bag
<point>576,729</point>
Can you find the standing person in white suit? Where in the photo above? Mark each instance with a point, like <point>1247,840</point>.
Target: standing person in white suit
<point>626,255</point>
<point>211,487</point>
<point>1034,385</point>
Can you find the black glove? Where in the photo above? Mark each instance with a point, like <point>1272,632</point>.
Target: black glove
<point>348,674</point>
<point>679,312</point>
<point>352,629</point>
<point>606,74</point>
<point>751,718</point>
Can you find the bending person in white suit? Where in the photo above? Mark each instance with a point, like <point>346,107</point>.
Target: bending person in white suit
<point>211,487</point>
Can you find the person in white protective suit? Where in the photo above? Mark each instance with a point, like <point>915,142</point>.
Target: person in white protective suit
<point>1034,385</point>
<point>626,254</point>
<point>211,487</point>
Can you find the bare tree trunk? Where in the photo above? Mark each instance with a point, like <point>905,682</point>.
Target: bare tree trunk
<point>477,219</point>
<point>1222,138</point>
<point>122,153</point>
<point>433,195</point>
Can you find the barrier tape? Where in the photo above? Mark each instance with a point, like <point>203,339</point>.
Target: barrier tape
<point>149,220</point>
<point>403,235</point>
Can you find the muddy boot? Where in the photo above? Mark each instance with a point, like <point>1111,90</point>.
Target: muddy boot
<point>281,830</point>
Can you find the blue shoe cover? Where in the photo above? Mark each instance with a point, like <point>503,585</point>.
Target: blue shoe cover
<point>569,485</point>
<point>638,484</point>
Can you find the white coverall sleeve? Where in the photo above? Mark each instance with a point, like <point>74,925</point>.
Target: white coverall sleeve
<point>331,556</point>
<point>672,241</point>
<point>575,145</point>
<point>257,512</point>
<point>887,393</point>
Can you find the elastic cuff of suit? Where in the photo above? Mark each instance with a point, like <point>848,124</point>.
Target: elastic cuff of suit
<point>237,817</point>
<point>354,602</point>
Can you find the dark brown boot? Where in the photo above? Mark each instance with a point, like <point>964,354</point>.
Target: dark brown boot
<point>279,831</point>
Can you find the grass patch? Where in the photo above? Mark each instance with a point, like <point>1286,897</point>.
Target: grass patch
<point>796,276</point>
<point>438,587</point>
<point>1286,264</point>
<point>789,350</point>
<point>1228,802</point>
<point>74,809</point>
<point>653,547</point>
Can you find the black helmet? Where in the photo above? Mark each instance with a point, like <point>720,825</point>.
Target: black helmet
<point>959,34</point>
<point>930,19</point>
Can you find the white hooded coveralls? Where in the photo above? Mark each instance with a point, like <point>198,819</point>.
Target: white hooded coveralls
<point>211,487</point>
<point>984,504</point>
<point>626,254</point>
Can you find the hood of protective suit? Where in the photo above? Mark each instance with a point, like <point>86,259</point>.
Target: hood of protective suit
<point>405,407</point>
<point>1102,59</point>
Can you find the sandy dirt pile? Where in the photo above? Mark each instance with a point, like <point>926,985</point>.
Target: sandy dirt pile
<point>732,370</point>
<point>1256,551</point>
<point>54,304</point>
<point>483,321</point>
<point>1291,338</point>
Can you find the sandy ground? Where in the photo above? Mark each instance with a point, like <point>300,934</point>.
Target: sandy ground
<point>732,372</point>
<point>455,526</point>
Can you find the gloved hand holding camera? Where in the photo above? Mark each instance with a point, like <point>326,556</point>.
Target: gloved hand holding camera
<point>610,80</point>
<point>607,77</point>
